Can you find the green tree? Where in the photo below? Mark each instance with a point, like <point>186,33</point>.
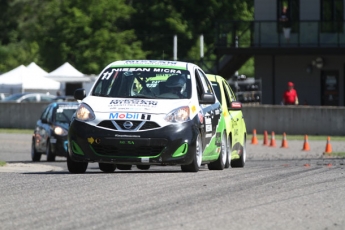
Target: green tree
<point>87,33</point>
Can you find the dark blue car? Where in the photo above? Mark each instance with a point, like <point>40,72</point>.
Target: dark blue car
<point>50,134</point>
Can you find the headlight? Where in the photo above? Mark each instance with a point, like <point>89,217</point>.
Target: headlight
<point>84,113</point>
<point>60,131</point>
<point>178,115</point>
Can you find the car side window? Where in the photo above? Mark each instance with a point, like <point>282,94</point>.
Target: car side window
<point>50,115</point>
<point>227,95</point>
<point>45,113</point>
<point>46,98</point>
<point>30,99</point>
<point>232,95</point>
<point>205,83</point>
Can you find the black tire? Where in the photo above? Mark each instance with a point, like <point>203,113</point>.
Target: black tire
<point>76,167</point>
<point>143,167</point>
<point>49,153</point>
<point>229,148</point>
<point>197,157</point>
<point>107,168</point>
<point>35,156</point>
<point>124,167</point>
<point>239,163</point>
<point>219,164</point>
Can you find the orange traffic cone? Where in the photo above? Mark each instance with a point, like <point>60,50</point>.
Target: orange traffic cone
<point>254,138</point>
<point>328,149</point>
<point>273,140</point>
<point>265,138</point>
<point>306,146</point>
<point>284,141</point>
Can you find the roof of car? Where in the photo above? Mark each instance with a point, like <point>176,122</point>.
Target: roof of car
<point>151,63</point>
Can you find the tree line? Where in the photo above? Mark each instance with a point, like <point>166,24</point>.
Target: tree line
<point>90,34</point>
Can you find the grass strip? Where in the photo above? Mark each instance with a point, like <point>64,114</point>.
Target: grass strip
<point>24,131</point>
<point>2,163</point>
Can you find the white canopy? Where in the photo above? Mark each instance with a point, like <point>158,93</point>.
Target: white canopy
<point>34,68</point>
<point>67,73</point>
<point>23,79</point>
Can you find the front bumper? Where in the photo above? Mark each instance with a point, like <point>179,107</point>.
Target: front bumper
<point>58,144</point>
<point>170,145</point>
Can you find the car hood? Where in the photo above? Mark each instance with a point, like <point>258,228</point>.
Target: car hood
<point>158,106</point>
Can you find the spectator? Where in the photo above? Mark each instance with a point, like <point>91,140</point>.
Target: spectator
<point>290,95</point>
<point>286,23</point>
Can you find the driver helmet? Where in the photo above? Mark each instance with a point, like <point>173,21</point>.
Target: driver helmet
<point>176,81</point>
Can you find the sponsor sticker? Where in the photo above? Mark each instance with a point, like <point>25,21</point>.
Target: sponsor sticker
<point>201,118</point>
<point>208,135</point>
<point>208,128</point>
<point>208,121</point>
<point>132,116</point>
<point>52,140</point>
<point>133,102</point>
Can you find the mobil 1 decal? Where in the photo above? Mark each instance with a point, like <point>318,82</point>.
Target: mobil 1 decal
<point>129,116</point>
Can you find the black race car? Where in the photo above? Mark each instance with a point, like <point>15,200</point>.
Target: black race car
<point>50,134</point>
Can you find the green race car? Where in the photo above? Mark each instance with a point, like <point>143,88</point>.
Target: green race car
<point>234,121</point>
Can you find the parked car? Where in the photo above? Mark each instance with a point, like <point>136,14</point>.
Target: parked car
<point>29,97</point>
<point>50,134</point>
<point>147,112</point>
<point>235,123</point>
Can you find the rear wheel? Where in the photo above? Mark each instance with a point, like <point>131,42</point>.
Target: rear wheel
<point>107,168</point>
<point>239,163</point>
<point>49,153</point>
<point>228,154</point>
<point>76,167</point>
<point>35,156</point>
<point>143,167</point>
<point>197,157</point>
<point>124,167</point>
<point>219,164</point>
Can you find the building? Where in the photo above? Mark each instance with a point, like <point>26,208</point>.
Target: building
<point>313,57</point>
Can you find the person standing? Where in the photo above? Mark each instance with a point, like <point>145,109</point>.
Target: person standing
<point>286,23</point>
<point>290,95</point>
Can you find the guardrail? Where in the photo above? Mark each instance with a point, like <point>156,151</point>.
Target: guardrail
<point>311,120</point>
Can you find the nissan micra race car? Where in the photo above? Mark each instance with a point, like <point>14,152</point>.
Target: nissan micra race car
<point>146,112</point>
<point>234,121</point>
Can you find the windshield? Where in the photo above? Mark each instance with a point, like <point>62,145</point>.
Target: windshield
<point>64,113</point>
<point>143,83</point>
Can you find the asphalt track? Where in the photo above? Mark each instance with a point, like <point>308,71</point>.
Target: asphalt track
<point>278,189</point>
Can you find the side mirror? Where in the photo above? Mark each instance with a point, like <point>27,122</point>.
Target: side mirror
<point>207,98</point>
<point>235,105</point>
<point>79,94</point>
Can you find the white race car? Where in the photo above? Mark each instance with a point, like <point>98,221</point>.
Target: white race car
<point>147,112</point>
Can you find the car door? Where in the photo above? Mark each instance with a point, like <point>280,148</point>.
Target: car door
<point>235,115</point>
<point>211,112</point>
<point>44,128</point>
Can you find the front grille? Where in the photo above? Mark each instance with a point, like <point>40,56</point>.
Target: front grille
<point>109,124</point>
<point>127,151</point>
<point>149,125</point>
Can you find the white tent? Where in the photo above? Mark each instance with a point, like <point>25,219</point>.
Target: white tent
<point>35,69</point>
<point>23,79</point>
<point>68,74</point>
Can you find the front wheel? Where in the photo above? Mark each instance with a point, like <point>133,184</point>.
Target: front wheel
<point>143,167</point>
<point>219,164</point>
<point>124,167</point>
<point>35,156</point>
<point>49,153</point>
<point>107,168</point>
<point>239,163</point>
<point>228,154</point>
<point>197,157</point>
<point>76,167</point>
